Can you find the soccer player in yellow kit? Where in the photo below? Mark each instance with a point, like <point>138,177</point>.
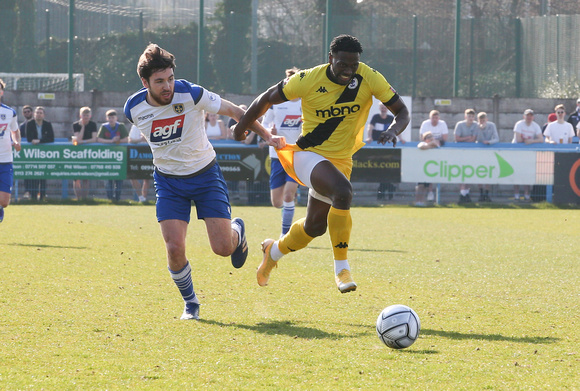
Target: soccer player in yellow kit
<point>336,99</point>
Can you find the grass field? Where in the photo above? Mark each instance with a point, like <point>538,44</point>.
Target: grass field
<point>86,302</point>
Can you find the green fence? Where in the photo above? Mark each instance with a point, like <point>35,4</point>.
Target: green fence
<point>532,57</point>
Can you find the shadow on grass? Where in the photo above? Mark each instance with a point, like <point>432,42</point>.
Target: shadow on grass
<point>361,250</point>
<point>489,337</point>
<point>289,328</point>
<point>46,246</point>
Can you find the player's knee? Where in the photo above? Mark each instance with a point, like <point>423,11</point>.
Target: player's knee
<point>277,203</point>
<point>343,195</point>
<point>175,249</point>
<point>222,249</point>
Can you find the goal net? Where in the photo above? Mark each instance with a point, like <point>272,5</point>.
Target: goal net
<point>42,81</point>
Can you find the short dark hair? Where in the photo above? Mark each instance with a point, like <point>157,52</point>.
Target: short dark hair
<point>345,43</point>
<point>154,59</point>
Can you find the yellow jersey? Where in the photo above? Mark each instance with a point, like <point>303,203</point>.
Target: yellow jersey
<point>334,115</point>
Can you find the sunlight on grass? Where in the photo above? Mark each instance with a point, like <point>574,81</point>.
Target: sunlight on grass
<point>87,303</point>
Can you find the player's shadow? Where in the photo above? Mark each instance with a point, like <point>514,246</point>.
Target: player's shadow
<point>489,337</point>
<point>374,250</point>
<point>47,246</point>
<point>289,328</point>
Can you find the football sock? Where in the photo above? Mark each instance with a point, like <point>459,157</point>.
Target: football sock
<point>238,229</point>
<point>287,216</point>
<point>339,227</point>
<point>295,239</point>
<point>340,265</point>
<point>182,279</point>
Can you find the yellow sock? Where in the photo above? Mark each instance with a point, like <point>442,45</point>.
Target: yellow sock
<point>295,239</point>
<point>339,227</point>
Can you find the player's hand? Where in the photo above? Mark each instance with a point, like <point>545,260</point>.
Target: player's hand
<point>238,135</point>
<point>388,136</point>
<point>277,142</point>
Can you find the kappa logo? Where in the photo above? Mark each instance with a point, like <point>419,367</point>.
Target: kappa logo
<point>291,121</point>
<point>302,74</point>
<point>321,89</point>
<point>167,129</point>
<point>342,245</point>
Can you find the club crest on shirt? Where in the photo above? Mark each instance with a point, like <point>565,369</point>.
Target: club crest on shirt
<point>3,116</point>
<point>178,108</point>
<point>353,83</point>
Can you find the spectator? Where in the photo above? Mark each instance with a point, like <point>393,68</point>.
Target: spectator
<point>438,129</point>
<point>466,132</point>
<point>574,118</point>
<point>28,114</point>
<point>379,123</point>
<point>428,142</point>
<point>84,132</point>
<point>113,132</point>
<point>38,131</point>
<point>486,134</point>
<point>284,119</point>
<point>9,136</point>
<point>526,131</point>
<point>559,132</point>
<point>551,118</point>
<point>136,137</point>
<point>214,127</point>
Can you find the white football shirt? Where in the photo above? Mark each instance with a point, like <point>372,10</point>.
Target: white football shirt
<point>287,117</point>
<point>8,124</point>
<point>176,132</point>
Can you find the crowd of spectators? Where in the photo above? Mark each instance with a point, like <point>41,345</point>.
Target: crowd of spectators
<point>433,133</point>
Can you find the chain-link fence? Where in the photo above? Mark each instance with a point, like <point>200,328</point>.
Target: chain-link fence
<point>531,57</point>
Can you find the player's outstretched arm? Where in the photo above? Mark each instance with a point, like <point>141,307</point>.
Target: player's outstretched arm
<point>399,109</point>
<point>257,109</point>
<point>236,112</point>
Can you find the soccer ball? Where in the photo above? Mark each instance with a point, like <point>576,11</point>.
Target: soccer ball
<point>398,326</point>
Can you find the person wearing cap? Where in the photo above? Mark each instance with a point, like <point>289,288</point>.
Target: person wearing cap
<point>551,118</point>
<point>574,118</point>
<point>526,131</point>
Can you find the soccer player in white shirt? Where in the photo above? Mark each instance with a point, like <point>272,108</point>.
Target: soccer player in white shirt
<point>285,120</point>
<point>9,136</point>
<point>170,114</point>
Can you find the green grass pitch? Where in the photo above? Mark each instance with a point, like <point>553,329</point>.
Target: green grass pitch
<point>86,302</point>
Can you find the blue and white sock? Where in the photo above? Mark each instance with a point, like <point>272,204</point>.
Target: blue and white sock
<point>182,279</point>
<point>287,216</point>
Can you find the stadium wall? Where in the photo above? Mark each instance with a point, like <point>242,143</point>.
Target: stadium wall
<point>62,108</point>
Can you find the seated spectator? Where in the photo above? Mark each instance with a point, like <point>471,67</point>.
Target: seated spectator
<point>438,129</point>
<point>574,118</point>
<point>136,137</point>
<point>84,132</point>
<point>214,127</point>
<point>559,132</point>
<point>38,131</point>
<point>486,134</point>
<point>428,142</point>
<point>113,132</point>
<point>466,132</point>
<point>551,118</point>
<point>526,131</point>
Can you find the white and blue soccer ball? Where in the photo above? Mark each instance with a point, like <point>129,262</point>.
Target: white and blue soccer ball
<point>398,326</point>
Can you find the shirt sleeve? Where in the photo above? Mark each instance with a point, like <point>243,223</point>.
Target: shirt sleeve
<point>209,101</point>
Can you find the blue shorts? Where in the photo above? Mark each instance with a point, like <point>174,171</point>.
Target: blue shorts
<point>207,190</point>
<point>278,176</point>
<point>6,177</point>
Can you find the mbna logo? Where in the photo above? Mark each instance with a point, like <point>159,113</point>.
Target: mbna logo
<point>446,170</point>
